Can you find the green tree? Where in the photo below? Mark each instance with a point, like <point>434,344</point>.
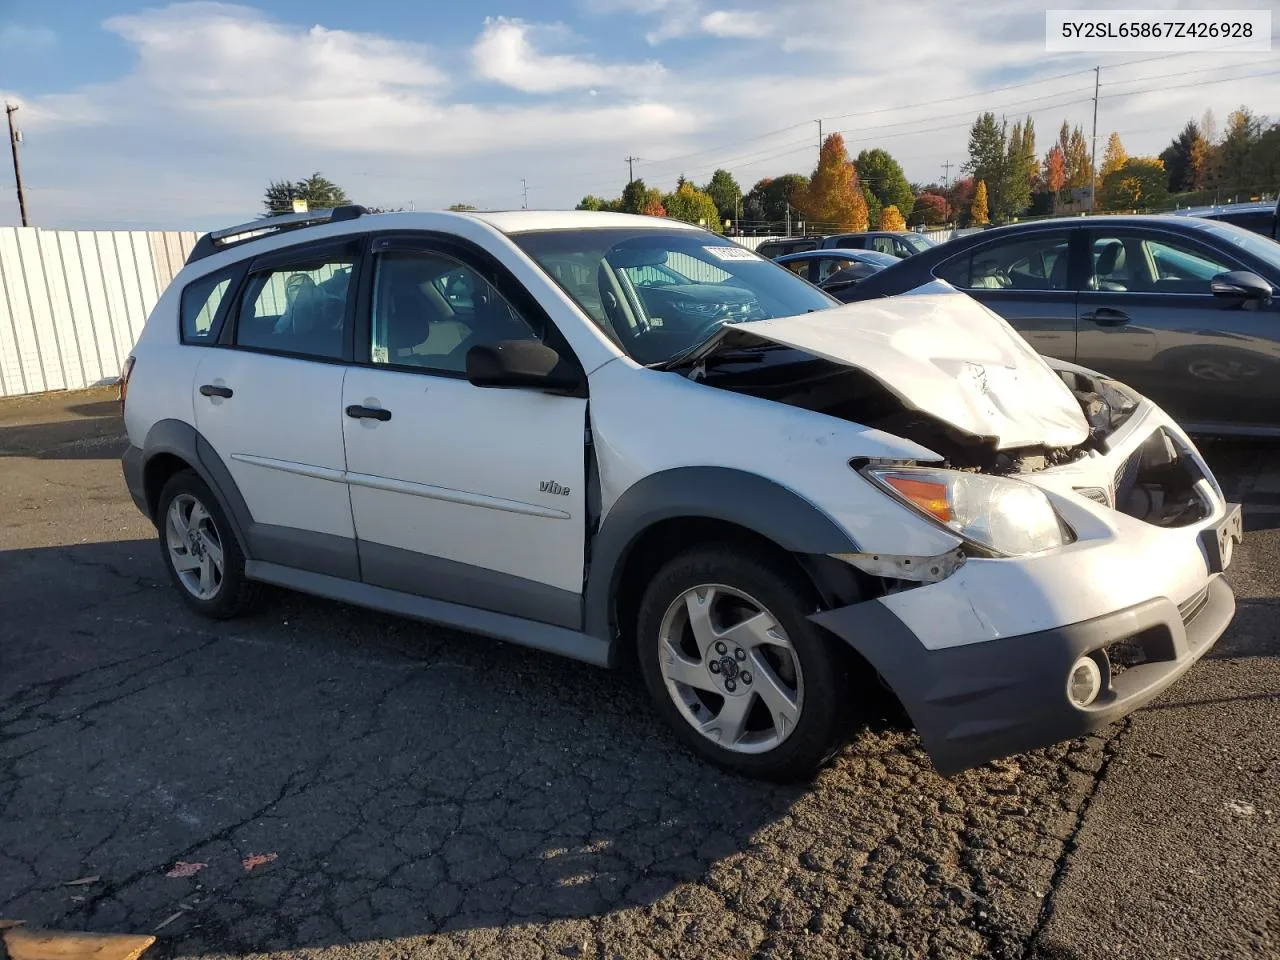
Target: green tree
<point>833,197</point>
<point>988,157</point>
<point>461,207</point>
<point>724,190</point>
<point>882,176</point>
<point>978,215</point>
<point>874,209</point>
<point>691,205</point>
<point>1079,166</point>
<point>1019,172</point>
<point>1140,183</point>
<point>768,199</point>
<point>318,191</point>
<point>1234,162</point>
<point>634,197</point>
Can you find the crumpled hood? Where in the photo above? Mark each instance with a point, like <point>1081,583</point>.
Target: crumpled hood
<point>946,355</point>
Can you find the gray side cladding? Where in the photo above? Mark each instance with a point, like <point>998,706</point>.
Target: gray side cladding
<point>716,493</point>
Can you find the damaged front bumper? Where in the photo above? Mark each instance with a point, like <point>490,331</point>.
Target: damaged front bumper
<point>985,659</point>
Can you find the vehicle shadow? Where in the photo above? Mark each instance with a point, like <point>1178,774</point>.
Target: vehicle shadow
<point>406,780</point>
<point>93,431</point>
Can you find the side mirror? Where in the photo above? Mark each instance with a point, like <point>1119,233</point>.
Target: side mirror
<point>1241,285</point>
<point>522,363</point>
<point>837,286</point>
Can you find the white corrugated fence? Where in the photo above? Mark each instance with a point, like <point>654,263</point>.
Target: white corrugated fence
<point>72,302</point>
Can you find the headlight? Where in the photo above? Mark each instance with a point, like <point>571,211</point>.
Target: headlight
<point>1008,517</point>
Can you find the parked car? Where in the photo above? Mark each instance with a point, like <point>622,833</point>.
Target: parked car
<point>773,249</point>
<point>821,266</point>
<point>1263,218</point>
<point>1180,308</point>
<point>494,422</point>
<point>900,244</point>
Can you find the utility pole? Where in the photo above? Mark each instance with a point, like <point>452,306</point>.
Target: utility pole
<point>524,190</point>
<point>1093,158</point>
<point>819,122</point>
<point>631,170</point>
<point>946,175</point>
<point>788,206</point>
<point>15,138</point>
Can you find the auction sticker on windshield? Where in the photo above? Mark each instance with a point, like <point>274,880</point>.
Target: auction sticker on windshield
<point>734,253</point>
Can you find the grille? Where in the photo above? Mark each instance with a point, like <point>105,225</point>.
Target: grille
<point>1190,608</point>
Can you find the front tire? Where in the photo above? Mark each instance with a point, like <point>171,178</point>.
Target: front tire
<point>734,664</point>
<point>201,553</point>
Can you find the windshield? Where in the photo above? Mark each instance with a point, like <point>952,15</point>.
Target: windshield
<point>1264,248</point>
<point>658,293</point>
<point>918,243</point>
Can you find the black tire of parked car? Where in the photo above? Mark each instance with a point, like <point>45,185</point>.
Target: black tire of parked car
<point>237,593</point>
<point>785,592</point>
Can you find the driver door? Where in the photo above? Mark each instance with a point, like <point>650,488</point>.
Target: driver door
<point>472,495</point>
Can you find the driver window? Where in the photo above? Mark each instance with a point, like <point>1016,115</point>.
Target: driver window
<point>829,265</point>
<point>429,310</point>
<point>1022,263</point>
<point>298,309</point>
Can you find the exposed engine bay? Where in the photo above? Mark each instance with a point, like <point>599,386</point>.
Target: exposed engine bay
<point>1156,485</point>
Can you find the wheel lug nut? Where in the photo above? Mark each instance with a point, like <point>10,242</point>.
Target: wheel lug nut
<point>739,653</point>
<point>746,677</point>
<point>714,666</point>
<point>730,686</point>
<point>721,648</point>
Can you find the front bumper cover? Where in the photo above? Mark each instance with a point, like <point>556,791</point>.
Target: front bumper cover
<point>979,701</point>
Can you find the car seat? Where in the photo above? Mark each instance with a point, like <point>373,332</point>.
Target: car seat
<point>1110,262</point>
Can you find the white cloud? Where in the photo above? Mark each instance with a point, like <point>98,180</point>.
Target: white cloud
<point>735,23</point>
<point>219,99</point>
<point>505,53</point>
<point>18,39</point>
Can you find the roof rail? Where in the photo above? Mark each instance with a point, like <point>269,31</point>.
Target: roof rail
<point>218,240</point>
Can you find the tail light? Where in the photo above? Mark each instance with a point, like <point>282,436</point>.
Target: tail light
<point>125,373</point>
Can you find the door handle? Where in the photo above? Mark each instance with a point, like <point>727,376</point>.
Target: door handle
<point>357,412</point>
<point>213,390</point>
<point>1107,317</point>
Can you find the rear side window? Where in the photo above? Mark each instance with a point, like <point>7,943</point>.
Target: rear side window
<point>298,309</point>
<point>201,303</point>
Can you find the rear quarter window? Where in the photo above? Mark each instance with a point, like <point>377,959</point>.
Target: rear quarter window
<point>201,307</point>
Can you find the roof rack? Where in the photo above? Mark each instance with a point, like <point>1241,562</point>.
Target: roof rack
<point>218,240</point>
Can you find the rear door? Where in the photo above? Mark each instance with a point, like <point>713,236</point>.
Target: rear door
<point>466,494</point>
<point>1148,317</point>
<point>1025,279</point>
<point>268,401</point>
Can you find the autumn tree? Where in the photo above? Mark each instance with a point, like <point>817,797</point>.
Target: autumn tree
<point>930,208</point>
<point>960,198</point>
<point>1055,173</point>
<point>978,209</point>
<point>461,207</point>
<point>691,205</point>
<point>653,204</point>
<point>833,197</point>
<point>1140,183</point>
<point>1115,156</point>
<point>724,190</point>
<point>891,219</point>
<point>882,176</point>
<point>988,147</point>
<point>317,190</point>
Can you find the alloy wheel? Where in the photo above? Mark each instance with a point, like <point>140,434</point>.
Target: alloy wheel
<point>195,548</point>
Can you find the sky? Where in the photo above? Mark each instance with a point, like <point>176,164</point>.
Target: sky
<point>177,116</point>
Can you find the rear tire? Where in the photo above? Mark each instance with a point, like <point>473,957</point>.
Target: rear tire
<point>735,666</point>
<point>200,551</point>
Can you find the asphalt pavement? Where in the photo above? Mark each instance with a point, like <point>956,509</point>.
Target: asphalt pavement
<point>426,793</point>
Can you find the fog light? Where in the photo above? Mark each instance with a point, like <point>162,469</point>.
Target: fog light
<point>1084,682</point>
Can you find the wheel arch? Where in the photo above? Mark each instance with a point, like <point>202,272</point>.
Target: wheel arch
<point>173,445</point>
<point>670,511</point>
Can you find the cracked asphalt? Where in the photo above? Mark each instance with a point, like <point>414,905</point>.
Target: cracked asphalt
<point>432,794</point>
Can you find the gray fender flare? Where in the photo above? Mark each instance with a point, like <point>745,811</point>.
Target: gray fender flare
<point>760,505</point>
<point>185,442</point>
